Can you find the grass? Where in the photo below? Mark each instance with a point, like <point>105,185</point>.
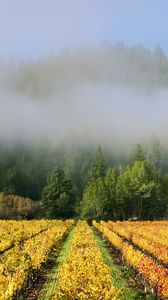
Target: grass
<point>50,286</point>
<point>119,274</point>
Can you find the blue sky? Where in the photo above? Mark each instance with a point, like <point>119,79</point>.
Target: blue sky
<point>34,28</point>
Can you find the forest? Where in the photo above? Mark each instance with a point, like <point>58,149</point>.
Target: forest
<point>83,150</point>
<point>83,134</point>
<point>83,182</point>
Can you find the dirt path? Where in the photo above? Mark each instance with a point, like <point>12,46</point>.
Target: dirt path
<point>123,276</point>
<point>44,284</point>
<point>50,285</point>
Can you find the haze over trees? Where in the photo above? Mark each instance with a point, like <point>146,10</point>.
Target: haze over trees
<point>57,109</point>
<point>127,192</point>
<point>105,64</point>
<point>89,184</point>
<point>112,86</point>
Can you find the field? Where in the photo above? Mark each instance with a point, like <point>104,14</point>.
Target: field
<point>54,259</point>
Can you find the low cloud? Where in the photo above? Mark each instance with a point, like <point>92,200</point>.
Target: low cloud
<point>63,97</point>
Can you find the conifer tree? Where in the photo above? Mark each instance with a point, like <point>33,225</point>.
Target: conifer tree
<point>57,197</point>
<point>98,166</point>
<point>95,198</point>
<point>139,155</point>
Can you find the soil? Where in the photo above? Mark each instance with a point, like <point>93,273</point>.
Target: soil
<point>133,279</point>
<point>36,282</point>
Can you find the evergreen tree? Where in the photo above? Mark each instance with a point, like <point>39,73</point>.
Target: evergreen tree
<point>95,200</point>
<point>163,208</point>
<point>98,166</point>
<point>57,196</point>
<point>137,191</point>
<point>154,154</point>
<point>95,197</point>
<point>99,198</point>
<point>122,191</point>
<point>110,186</point>
<point>139,155</point>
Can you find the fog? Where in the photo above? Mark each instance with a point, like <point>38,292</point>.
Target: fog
<point>106,95</point>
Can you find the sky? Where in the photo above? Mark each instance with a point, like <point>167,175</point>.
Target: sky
<point>98,97</point>
<point>34,28</point>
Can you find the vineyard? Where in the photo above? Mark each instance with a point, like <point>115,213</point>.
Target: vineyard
<point>87,261</point>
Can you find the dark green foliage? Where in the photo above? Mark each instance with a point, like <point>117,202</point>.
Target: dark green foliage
<point>110,182</point>
<point>98,166</point>
<point>154,154</point>
<point>95,198</point>
<point>99,199</point>
<point>58,198</point>
<point>22,171</point>
<point>133,193</point>
<point>163,195</point>
<point>76,164</point>
<point>136,186</point>
<point>137,191</point>
<point>139,155</point>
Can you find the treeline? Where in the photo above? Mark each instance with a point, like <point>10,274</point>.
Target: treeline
<point>107,64</point>
<point>24,169</point>
<point>136,191</point>
<point>74,181</point>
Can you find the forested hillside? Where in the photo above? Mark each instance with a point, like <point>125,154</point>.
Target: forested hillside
<point>105,64</point>
<point>57,110</point>
<point>93,184</point>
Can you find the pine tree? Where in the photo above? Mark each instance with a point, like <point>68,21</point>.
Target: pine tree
<point>137,190</point>
<point>139,155</point>
<point>110,185</point>
<point>95,197</point>
<point>95,200</point>
<point>57,195</point>
<point>98,166</point>
<point>154,154</point>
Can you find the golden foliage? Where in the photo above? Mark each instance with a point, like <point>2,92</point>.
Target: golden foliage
<point>17,263</point>
<point>84,275</point>
<point>155,274</point>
